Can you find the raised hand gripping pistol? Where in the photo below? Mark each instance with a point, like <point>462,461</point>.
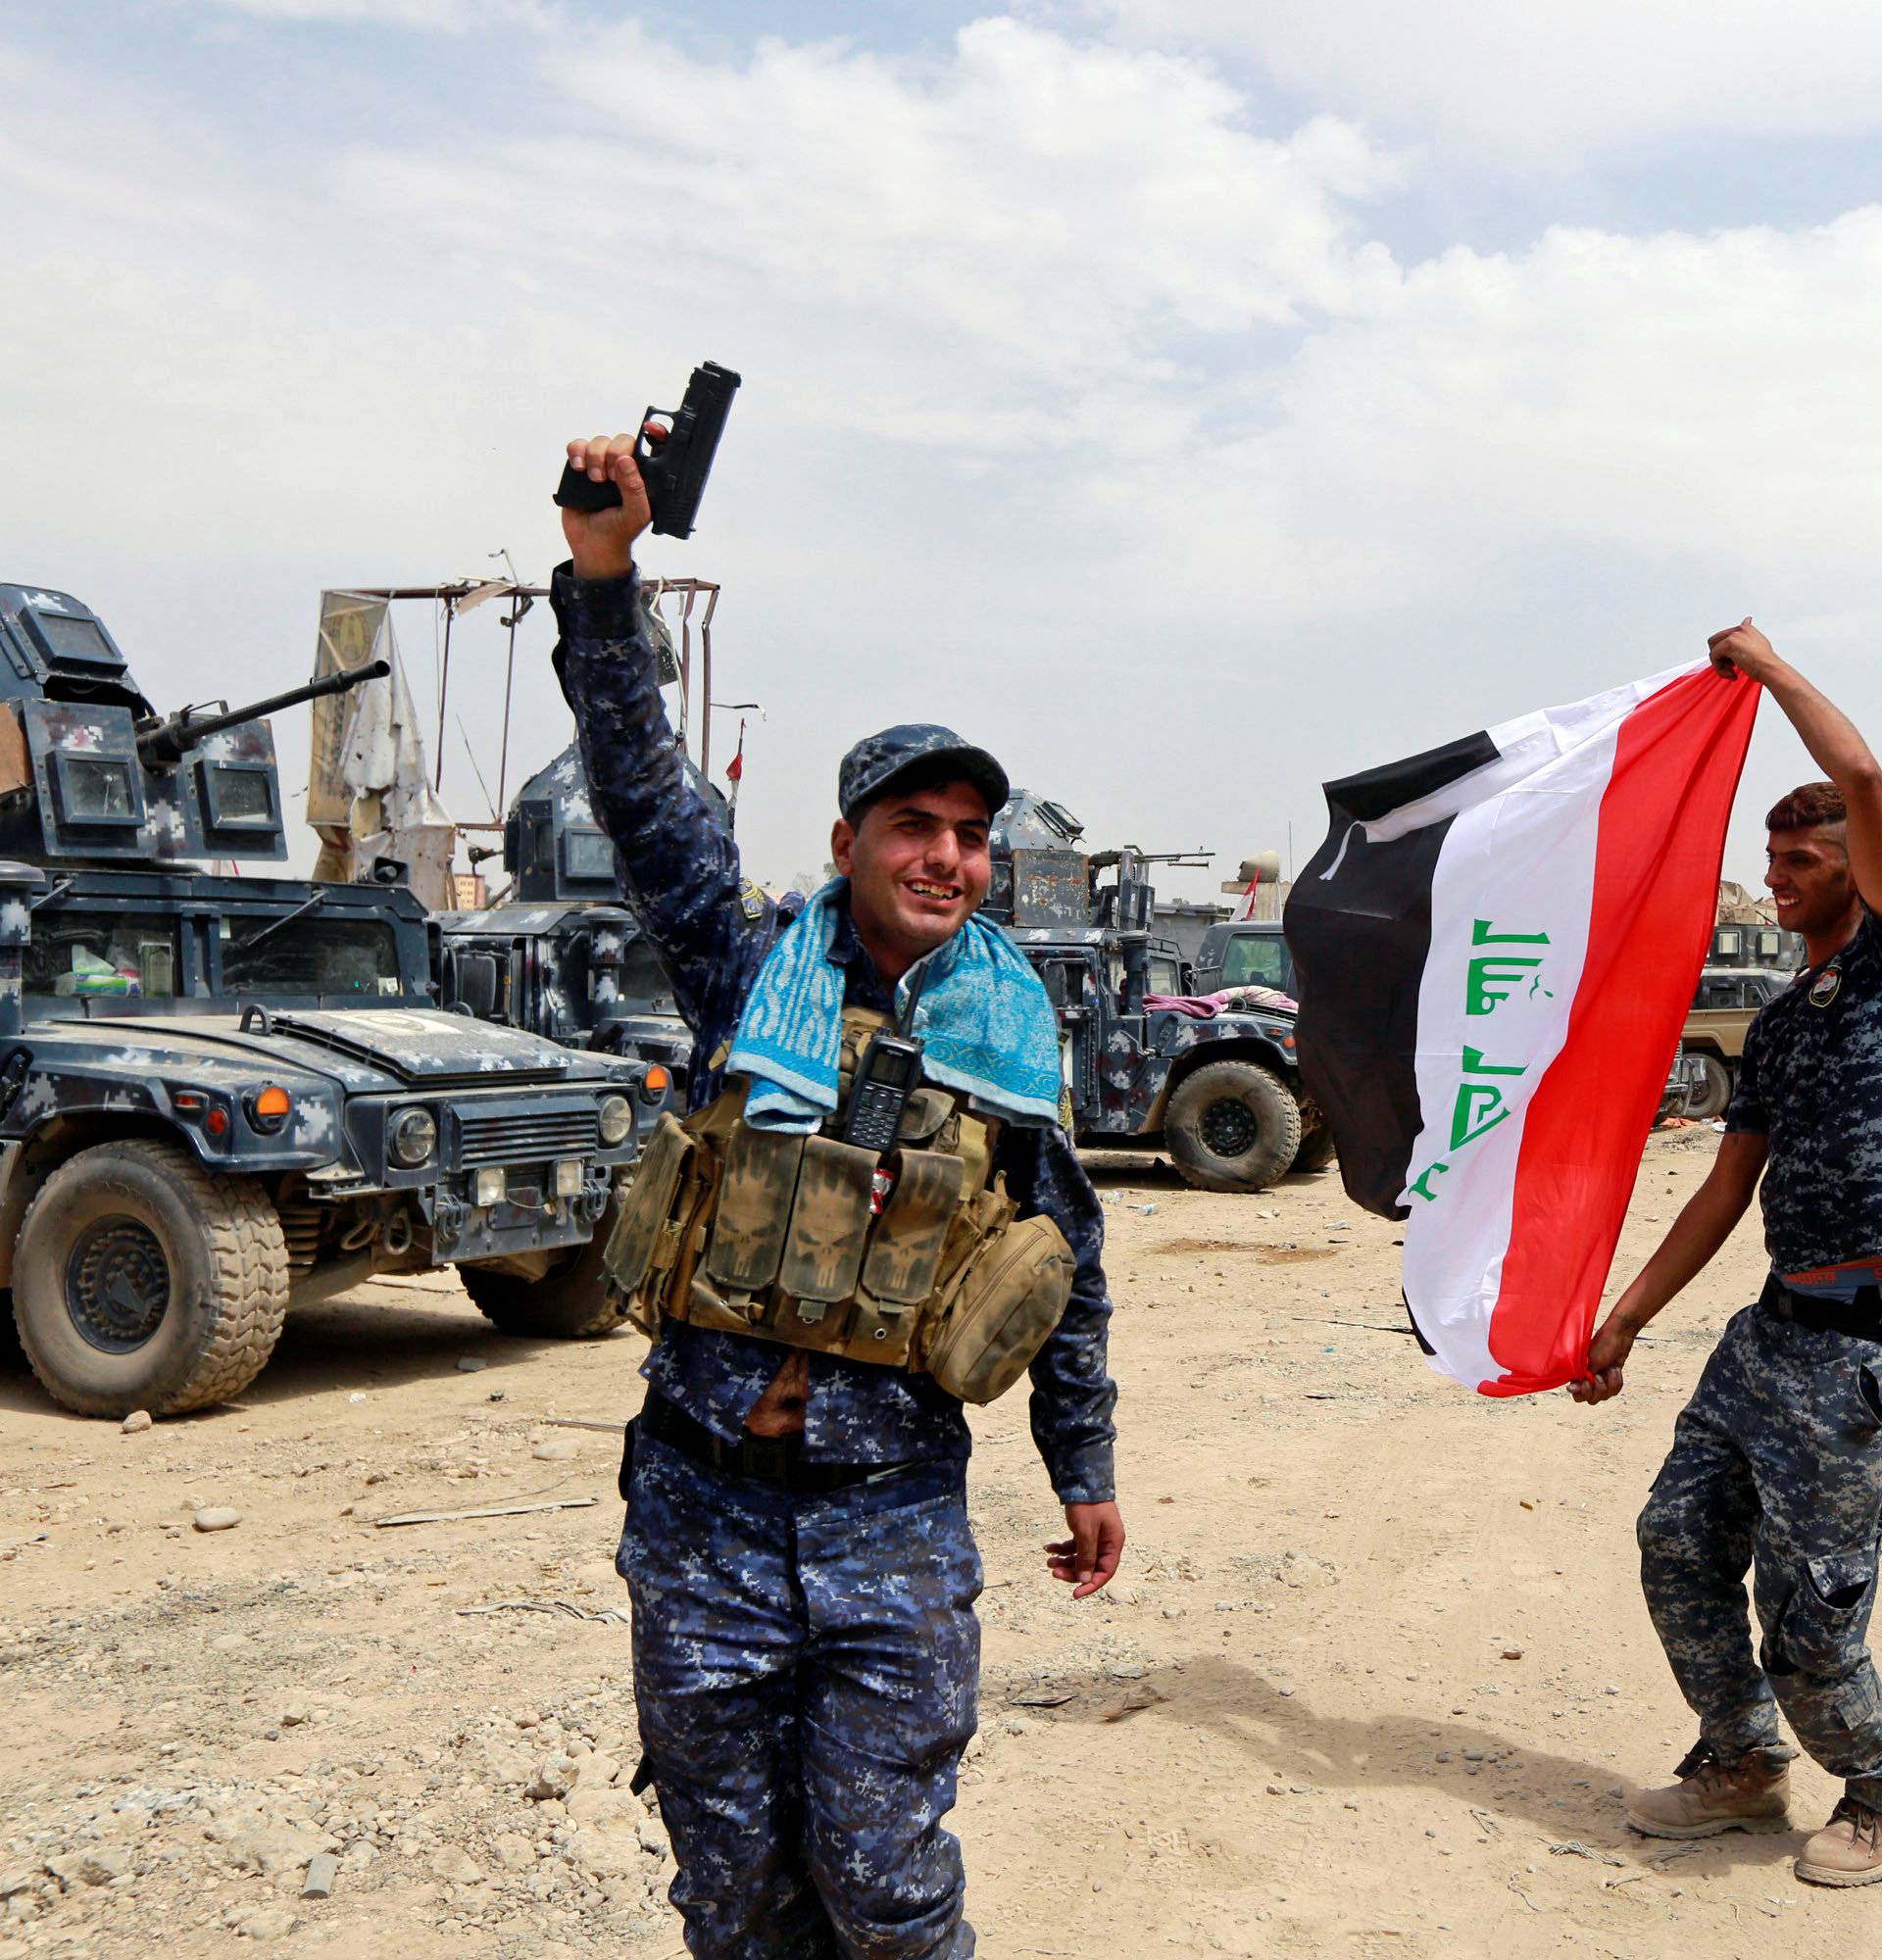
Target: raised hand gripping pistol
<point>674,470</point>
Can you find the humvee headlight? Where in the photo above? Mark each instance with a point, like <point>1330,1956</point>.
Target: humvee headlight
<point>414,1137</point>
<point>488,1185</point>
<point>569,1178</point>
<point>617,1120</point>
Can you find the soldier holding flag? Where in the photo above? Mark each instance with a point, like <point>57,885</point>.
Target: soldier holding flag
<point>1776,1463</point>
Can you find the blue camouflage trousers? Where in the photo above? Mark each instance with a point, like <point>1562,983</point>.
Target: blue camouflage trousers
<point>806,1670</point>
<point>1776,1468</point>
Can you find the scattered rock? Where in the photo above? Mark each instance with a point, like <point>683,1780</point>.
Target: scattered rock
<point>1306,1573</point>
<point>217,1518</point>
<point>455,1868</point>
<point>94,1865</point>
<point>293,1715</point>
<point>606,1850</point>
<point>269,1922</point>
<point>1512,1653</point>
<point>555,1777</point>
<point>597,1803</point>
<point>595,1771</point>
<point>136,1422</point>
<point>259,1839</point>
<point>556,1450</point>
<point>514,1851</point>
<point>470,1364</point>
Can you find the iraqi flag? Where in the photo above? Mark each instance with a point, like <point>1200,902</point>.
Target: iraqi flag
<point>1495,949</point>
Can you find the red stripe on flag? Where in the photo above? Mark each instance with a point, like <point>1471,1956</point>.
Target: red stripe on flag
<point>1658,852</point>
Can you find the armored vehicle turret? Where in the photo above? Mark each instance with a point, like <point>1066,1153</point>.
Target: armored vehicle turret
<point>222,1096</point>
<point>560,955</point>
<point>1219,1087</point>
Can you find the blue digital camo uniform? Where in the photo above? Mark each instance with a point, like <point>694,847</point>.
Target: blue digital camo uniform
<point>1776,1463</point>
<point>805,1666</point>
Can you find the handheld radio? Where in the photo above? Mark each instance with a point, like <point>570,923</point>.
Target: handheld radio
<point>887,1074</point>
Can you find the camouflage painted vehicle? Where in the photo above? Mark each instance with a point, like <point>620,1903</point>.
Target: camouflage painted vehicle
<point>1724,1006</point>
<point>224,1096</point>
<point>561,956</point>
<point>1244,953</point>
<point>1221,1094</point>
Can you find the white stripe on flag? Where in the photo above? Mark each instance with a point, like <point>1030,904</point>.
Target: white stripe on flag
<point>1519,857</point>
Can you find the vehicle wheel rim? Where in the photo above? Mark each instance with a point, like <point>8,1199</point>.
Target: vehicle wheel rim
<point>1230,1129</point>
<point>118,1284</point>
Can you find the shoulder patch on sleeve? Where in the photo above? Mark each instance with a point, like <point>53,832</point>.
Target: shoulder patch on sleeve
<point>750,898</point>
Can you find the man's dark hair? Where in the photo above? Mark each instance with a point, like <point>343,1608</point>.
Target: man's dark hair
<point>1806,807</point>
<point>912,781</point>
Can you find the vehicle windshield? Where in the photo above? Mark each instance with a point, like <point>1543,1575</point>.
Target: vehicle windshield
<point>318,954</point>
<point>640,976</point>
<point>103,954</point>
<point>1258,959</point>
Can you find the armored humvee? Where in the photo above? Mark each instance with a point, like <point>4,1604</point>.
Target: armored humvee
<point>1244,953</point>
<point>222,1096</point>
<point>1221,1091</point>
<point>561,955</point>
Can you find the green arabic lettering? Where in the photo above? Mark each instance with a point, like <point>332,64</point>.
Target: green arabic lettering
<point>1478,1107</point>
<point>1417,1188</point>
<point>1492,976</point>
<point>1481,935</point>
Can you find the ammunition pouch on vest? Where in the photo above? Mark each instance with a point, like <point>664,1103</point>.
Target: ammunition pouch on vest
<point>778,1235</point>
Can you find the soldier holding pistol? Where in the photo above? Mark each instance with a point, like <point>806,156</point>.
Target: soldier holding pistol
<point>869,1214</point>
<point>1776,1463</point>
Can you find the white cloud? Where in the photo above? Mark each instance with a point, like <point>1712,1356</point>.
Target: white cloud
<point>1674,396</point>
<point>1061,372</point>
<point>1047,207</point>
<point>1553,78</point>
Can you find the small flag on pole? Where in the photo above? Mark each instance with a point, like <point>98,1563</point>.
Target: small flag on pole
<point>735,768</point>
<point>1495,949</point>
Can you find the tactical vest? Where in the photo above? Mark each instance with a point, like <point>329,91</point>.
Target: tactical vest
<point>912,1257</point>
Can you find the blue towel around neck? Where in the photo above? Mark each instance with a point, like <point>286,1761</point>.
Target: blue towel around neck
<point>986,1026</point>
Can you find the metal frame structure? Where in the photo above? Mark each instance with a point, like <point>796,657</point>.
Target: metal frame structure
<point>459,595</point>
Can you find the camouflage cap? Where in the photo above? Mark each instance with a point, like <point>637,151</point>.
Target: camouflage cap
<point>873,764</point>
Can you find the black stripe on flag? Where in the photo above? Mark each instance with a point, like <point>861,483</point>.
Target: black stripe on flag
<point>1360,938</point>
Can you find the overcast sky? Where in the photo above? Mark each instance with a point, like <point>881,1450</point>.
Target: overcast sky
<point>1190,401</point>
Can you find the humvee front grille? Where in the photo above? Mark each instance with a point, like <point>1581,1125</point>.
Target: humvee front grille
<point>528,1136</point>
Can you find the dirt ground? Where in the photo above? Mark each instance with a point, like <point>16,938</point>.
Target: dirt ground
<point>1374,1679</point>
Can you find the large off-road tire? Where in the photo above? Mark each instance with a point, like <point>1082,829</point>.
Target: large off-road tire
<point>1709,1099</point>
<point>572,1302</point>
<point>1232,1126</point>
<point>1317,1149</point>
<point>142,1281</point>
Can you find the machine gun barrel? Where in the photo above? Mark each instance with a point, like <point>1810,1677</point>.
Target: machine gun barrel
<point>162,745</point>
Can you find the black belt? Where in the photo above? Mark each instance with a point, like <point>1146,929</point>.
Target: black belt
<point>1860,1318</point>
<point>769,1460</point>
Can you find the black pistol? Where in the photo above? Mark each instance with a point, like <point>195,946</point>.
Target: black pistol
<point>674,470</point>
